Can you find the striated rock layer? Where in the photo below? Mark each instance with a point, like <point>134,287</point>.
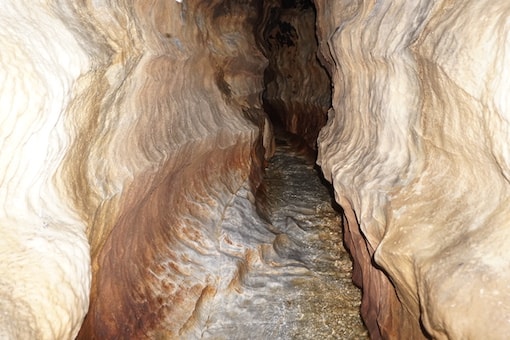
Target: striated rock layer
<point>417,149</point>
<point>179,129</point>
<point>133,141</point>
<point>44,253</point>
<point>135,124</point>
<point>136,142</point>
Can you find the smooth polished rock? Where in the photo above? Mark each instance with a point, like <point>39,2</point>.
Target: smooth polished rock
<point>417,149</point>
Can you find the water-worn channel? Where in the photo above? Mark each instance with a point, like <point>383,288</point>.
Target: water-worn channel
<point>299,286</point>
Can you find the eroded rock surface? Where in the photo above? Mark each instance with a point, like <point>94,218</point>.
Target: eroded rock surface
<point>137,141</point>
<point>133,124</point>
<point>282,272</point>
<point>417,149</point>
<point>179,130</point>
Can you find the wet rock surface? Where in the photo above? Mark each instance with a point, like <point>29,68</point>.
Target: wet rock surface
<point>298,282</point>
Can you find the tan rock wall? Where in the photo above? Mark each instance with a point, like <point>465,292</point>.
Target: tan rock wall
<point>134,123</point>
<point>129,127</point>
<point>180,132</point>
<point>417,148</point>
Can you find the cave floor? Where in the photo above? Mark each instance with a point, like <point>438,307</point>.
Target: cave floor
<point>300,287</point>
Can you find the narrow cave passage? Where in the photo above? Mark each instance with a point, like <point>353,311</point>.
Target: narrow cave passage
<point>309,237</point>
<point>296,98</point>
<point>292,276</point>
<point>297,92</point>
<point>311,294</point>
<point>297,284</point>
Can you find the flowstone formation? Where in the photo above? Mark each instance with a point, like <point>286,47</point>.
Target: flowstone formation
<point>417,149</point>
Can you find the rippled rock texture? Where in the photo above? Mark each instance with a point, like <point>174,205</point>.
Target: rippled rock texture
<point>309,239</point>
<point>134,124</point>
<point>417,148</point>
<point>136,142</point>
<point>295,279</point>
<point>179,136</point>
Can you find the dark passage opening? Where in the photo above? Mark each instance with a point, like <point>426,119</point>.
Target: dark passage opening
<point>299,202</point>
<point>298,89</point>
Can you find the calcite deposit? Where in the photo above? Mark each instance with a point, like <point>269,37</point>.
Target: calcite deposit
<point>417,148</point>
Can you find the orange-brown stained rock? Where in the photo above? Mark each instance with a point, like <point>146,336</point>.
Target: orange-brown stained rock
<point>142,279</point>
<point>167,126</point>
<point>381,309</point>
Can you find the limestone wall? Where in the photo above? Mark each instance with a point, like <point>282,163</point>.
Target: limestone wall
<point>298,90</point>
<point>417,149</point>
<point>134,124</point>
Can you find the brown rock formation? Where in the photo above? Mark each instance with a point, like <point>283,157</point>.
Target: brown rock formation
<point>176,121</point>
